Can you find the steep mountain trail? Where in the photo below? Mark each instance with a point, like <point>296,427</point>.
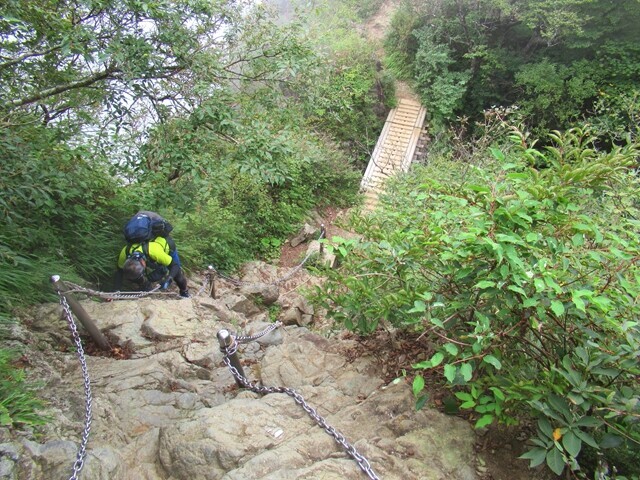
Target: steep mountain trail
<point>166,407</point>
<point>375,29</point>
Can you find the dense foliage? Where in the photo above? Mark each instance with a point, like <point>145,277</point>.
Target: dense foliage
<point>522,268</point>
<point>553,58</point>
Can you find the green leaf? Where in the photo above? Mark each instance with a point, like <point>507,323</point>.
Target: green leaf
<point>421,401</point>
<point>555,461</point>
<point>437,359</point>
<point>484,421</point>
<point>466,370</point>
<point>484,284</point>
<point>424,364</point>
<point>464,396</point>
<point>571,443</point>
<point>497,154</point>
<point>418,385</point>
<point>579,303</point>
<point>545,427</point>
<point>491,360</point>
<point>536,455</point>
<point>551,283</point>
<point>418,307</point>
<point>560,405</point>
<point>479,188</point>
<point>586,438</point>
<point>497,393</point>
<point>450,372</point>
<point>577,240</point>
<point>451,349</point>
<point>610,441</point>
<point>557,307</point>
<point>515,288</point>
<point>590,422</point>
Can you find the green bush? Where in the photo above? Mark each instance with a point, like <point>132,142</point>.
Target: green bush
<point>19,404</point>
<point>526,281</point>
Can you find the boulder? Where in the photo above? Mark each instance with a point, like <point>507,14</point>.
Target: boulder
<point>241,304</point>
<point>258,272</point>
<point>306,233</point>
<point>261,293</point>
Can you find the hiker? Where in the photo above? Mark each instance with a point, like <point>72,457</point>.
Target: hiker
<point>144,263</point>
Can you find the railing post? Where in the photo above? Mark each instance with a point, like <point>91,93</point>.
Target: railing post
<point>212,280</point>
<point>82,315</point>
<point>323,234</point>
<point>225,340</point>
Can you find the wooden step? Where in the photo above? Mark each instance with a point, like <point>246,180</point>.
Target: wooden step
<point>395,148</point>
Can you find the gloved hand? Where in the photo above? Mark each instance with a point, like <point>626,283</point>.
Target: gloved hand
<point>166,284</point>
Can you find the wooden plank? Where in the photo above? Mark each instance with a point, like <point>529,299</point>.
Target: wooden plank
<point>394,149</point>
<point>411,148</point>
<point>376,151</point>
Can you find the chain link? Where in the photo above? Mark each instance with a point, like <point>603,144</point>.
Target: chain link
<point>74,288</point>
<point>266,331</point>
<point>207,281</point>
<point>363,463</point>
<point>82,451</point>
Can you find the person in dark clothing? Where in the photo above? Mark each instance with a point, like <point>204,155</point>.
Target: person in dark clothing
<point>142,264</point>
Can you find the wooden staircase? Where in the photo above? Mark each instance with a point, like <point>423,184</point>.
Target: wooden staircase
<point>394,150</point>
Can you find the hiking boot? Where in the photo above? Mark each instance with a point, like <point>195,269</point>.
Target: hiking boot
<point>185,294</point>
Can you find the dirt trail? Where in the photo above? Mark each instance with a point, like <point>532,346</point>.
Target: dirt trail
<point>376,28</point>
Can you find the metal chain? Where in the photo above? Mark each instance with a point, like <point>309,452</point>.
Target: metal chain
<point>247,339</point>
<point>82,451</point>
<point>363,463</point>
<point>291,273</point>
<point>74,288</point>
<point>205,283</point>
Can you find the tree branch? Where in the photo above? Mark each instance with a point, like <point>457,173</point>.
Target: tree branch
<point>50,92</point>
<point>14,61</point>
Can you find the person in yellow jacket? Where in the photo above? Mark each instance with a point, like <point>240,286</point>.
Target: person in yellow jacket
<point>145,263</point>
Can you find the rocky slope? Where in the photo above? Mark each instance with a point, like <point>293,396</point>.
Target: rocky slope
<point>171,409</point>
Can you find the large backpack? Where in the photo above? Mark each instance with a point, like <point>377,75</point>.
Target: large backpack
<point>145,226</point>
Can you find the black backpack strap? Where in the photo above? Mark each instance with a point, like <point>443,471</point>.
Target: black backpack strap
<point>145,250</point>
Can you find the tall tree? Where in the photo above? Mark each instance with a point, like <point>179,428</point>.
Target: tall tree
<point>505,48</point>
<point>69,58</point>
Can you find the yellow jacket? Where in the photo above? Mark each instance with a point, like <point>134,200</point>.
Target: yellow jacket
<point>158,252</point>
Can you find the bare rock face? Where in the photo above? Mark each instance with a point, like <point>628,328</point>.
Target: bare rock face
<point>173,410</point>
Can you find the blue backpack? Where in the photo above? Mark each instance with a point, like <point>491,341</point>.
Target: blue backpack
<point>138,229</point>
<point>144,228</point>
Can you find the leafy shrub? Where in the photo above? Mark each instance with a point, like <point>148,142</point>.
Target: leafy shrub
<point>526,280</point>
<point>400,43</point>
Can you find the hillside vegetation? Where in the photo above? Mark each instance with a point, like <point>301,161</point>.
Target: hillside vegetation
<point>514,249</point>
